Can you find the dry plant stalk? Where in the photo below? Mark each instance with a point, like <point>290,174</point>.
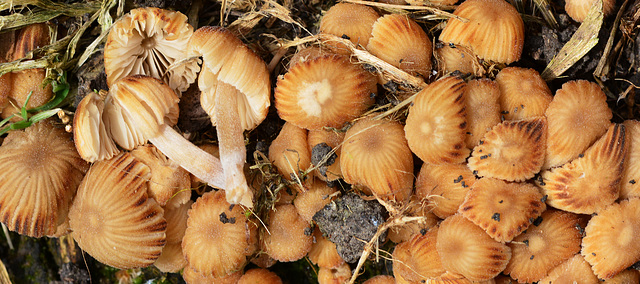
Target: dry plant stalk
<point>428,7</point>
<point>45,11</point>
<point>582,41</point>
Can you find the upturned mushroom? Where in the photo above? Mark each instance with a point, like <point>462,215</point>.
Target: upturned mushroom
<point>235,92</point>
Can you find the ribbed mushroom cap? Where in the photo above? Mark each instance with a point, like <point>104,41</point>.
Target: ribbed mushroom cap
<point>27,39</point>
<point>579,9</point>
<point>40,172</point>
<point>573,270</point>
<point>610,244</point>
<point>523,93</point>
<point>227,60</point>
<point>466,249</point>
<point>323,252</point>
<point>512,150</point>
<point>553,238</point>
<point>591,182</point>
<point>113,220</point>
<point>333,140</point>
<point>577,116</point>
<point>502,209</point>
<point>453,58</point>
<point>627,276</point>
<point>307,53</point>
<point>495,30</point>
<point>630,184</point>
<point>354,21</point>
<point>259,276</point>
<point>136,107</point>
<point>29,82</point>
<point>172,259</point>
<point>417,259</point>
<point>289,152</point>
<point>190,275</point>
<point>146,41</point>
<point>436,125</point>
<point>326,91</point>
<point>169,184</point>
<point>375,154</point>
<point>380,279</point>
<point>290,236</point>
<point>401,42</point>
<point>444,186</point>
<point>337,275</point>
<point>217,236</point>
<point>91,137</point>
<point>315,198</point>
<point>483,109</point>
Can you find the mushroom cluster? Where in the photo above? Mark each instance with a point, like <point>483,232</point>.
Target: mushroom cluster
<point>486,173</point>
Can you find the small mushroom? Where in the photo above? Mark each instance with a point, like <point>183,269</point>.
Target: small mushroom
<point>573,270</point>
<point>350,21</point>
<point>290,236</point>
<point>259,275</point>
<point>146,41</point>
<point>579,9</point>
<point>40,172</point>
<point>235,92</point>
<point>290,154</point>
<point>417,259</point>
<point>323,252</point>
<point>523,93</point>
<point>91,136</point>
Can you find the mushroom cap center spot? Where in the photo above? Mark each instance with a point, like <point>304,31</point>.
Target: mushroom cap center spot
<point>313,96</point>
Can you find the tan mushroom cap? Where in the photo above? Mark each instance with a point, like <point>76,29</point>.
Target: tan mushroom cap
<point>113,220</point>
<point>337,275</point>
<point>307,53</point>
<point>610,243</point>
<point>355,21</point>
<point>417,208</point>
<point>410,48</point>
<point>314,199</point>
<point>573,270</point>
<point>512,150</point>
<point>523,93</point>
<point>577,116</point>
<point>91,137</point>
<point>169,184</point>
<point>417,259</point>
<point>466,249</point>
<point>627,276</point>
<point>451,58</point>
<point>380,279</point>
<point>227,60</point>
<point>375,154</point>
<point>326,91</point>
<point>324,252</point>
<point>172,259</point>
<point>483,109</point>
<point>259,276</point>
<point>579,9</point>
<point>552,239</point>
<point>217,236</point>
<point>591,182</point>
<point>502,209</point>
<point>41,171</point>
<point>630,183</point>
<point>290,236</point>
<point>146,41</point>
<point>495,30</point>
<point>290,154</point>
<point>444,186</point>
<point>436,124</point>
<point>190,275</point>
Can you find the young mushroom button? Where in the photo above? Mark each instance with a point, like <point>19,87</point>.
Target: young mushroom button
<point>235,92</point>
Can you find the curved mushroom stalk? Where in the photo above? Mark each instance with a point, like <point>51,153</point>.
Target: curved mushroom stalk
<point>231,143</point>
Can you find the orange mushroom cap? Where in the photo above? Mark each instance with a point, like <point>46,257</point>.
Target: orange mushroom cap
<point>523,93</point>
<point>354,21</point>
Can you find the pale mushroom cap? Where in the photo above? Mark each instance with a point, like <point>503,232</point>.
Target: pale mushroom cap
<point>226,59</point>
<point>579,9</point>
<point>172,259</point>
<point>146,41</point>
<point>113,220</point>
<point>90,134</point>
<point>326,91</point>
<point>577,116</point>
<point>401,42</point>
<point>523,93</point>
<point>217,236</point>
<point>353,20</point>
<point>495,30</point>
<point>290,236</point>
<point>41,171</point>
<point>136,107</point>
<point>375,154</point>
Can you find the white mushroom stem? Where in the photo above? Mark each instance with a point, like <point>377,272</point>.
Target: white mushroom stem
<point>231,144</point>
<point>193,159</point>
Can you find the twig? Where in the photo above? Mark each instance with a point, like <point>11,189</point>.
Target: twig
<point>433,10</point>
